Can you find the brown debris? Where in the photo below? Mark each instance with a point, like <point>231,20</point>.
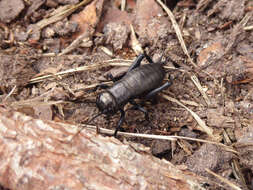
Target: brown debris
<point>232,10</point>
<point>39,111</point>
<point>15,70</point>
<point>186,3</point>
<point>6,36</point>
<point>116,35</point>
<point>67,1</point>
<point>160,147</point>
<point>113,15</point>
<point>51,45</point>
<point>65,27</point>
<point>244,146</point>
<point>202,4</point>
<point>43,112</point>
<point>208,156</point>
<point>51,3</point>
<point>35,4</point>
<point>186,132</point>
<point>10,9</point>
<point>88,17</point>
<point>87,21</point>
<point>38,155</point>
<point>216,34</point>
<point>240,70</point>
<point>209,52</point>
<point>215,118</point>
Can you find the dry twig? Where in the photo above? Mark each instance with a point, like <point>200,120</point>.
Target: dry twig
<point>233,186</point>
<point>61,13</point>
<point>136,46</point>
<point>181,40</point>
<point>177,30</point>
<point>85,37</point>
<point>201,123</point>
<point>113,62</point>
<point>156,137</point>
<point>195,80</point>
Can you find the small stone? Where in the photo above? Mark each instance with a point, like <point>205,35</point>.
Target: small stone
<point>10,9</point>
<point>160,147</point>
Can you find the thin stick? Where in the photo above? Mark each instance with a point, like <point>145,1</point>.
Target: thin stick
<point>82,126</point>
<point>135,44</point>
<point>157,137</point>
<point>61,14</point>
<point>112,62</point>
<point>177,30</point>
<point>11,92</point>
<point>247,28</point>
<point>195,80</point>
<point>233,186</point>
<point>182,43</point>
<point>83,68</point>
<point>201,123</point>
<point>123,5</point>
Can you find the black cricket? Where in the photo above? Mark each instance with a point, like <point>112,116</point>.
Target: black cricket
<point>140,81</point>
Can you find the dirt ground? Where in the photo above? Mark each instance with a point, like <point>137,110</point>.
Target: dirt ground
<point>54,52</point>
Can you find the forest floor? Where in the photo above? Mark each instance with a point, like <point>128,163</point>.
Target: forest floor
<point>54,52</point>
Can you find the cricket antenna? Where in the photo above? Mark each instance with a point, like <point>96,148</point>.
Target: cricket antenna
<point>92,119</point>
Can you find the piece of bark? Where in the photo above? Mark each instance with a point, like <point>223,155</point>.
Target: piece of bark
<point>209,156</point>
<point>240,70</point>
<point>35,5</point>
<point>89,17</point>
<point>38,154</point>
<point>116,35</point>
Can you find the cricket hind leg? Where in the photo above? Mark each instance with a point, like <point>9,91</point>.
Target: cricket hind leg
<point>154,92</point>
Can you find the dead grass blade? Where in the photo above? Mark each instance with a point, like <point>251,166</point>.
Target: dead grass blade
<point>201,123</point>
<point>61,13</point>
<point>135,44</point>
<point>177,30</point>
<point>123,5</point>
<point>112,62</point>
<point>181,40</point>
<point>32,103</point>
<point>10,93</point>
<point>107,63</point>
<point>248,28</point>
<point>85,37</point>
<point>224,180</point>
<point>200,88</point>
<point>237,171</point>
<point>157,137</point>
